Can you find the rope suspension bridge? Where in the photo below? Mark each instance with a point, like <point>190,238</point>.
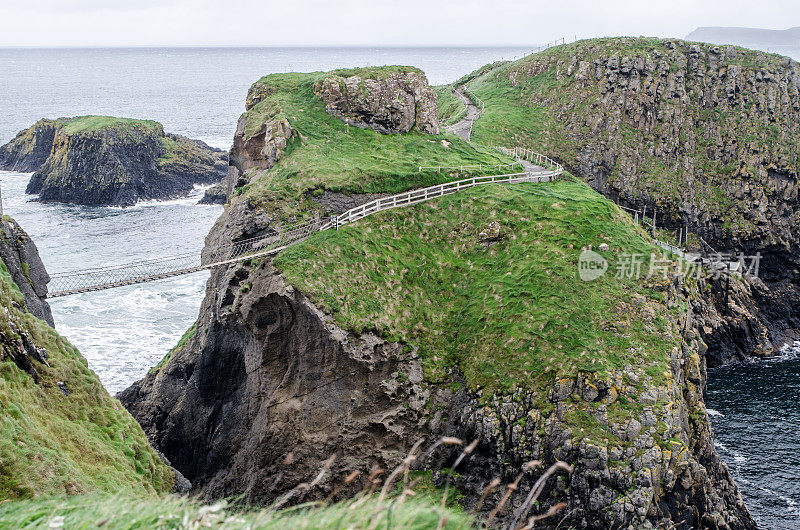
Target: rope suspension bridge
<point>533,167</point>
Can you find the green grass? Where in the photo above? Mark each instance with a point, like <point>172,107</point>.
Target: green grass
<point>97,123</point>
<point>51,443</point>
<point>375,72</point>
<point>325,153</point>
<point>514,315</point>
<point>451,108</point>
<point>123,513</point>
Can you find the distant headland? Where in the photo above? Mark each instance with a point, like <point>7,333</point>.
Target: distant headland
<point>748,37</point>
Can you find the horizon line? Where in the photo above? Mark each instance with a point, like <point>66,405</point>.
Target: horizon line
<point>263,46</point>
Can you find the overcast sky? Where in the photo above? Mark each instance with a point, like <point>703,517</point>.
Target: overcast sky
<point>368,22</point>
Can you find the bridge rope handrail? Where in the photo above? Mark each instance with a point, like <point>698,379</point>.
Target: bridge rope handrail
<point>106,268</point>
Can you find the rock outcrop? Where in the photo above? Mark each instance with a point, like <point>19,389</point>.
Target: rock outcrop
<point>394,102</point>
<point>388,100</point>
<point>270,387</point>
<point>19,253</point>
<point>96,160</point>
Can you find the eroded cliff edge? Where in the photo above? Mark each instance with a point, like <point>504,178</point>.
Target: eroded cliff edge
<point>338,348</point>
<point>22,261</point>
<point>61,431</point>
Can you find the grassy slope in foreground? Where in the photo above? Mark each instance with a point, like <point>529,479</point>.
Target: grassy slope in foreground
<point>51,443</point>
<point>515,315</point>
<point>558,115</point>
<point>90,511</point>
<point>325,154</point>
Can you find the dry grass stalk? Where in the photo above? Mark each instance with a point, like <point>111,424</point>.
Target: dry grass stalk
<point>466,452</point>
<point>556,508</point>
<point>536,491</point>
<point>303,488</point>
<point>404,466</point>
<point>488,490</point>
<point>511,488</point>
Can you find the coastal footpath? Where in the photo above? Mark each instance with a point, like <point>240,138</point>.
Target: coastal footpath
<point>461,317</point>
<point>101,160</point>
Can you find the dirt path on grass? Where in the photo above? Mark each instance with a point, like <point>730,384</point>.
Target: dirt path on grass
<point>463,127</point>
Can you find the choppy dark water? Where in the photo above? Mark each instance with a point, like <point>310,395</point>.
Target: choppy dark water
<point>755,414</point>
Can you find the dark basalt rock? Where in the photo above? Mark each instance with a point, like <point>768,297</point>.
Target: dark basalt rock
<point>30,148</point>
<point>19,253</point>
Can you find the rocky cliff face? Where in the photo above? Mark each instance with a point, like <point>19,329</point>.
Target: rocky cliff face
<point>270,387</point>
<point>30,148</point>
<point>392,103</point>
<point>99,160</point>
<point>706,136</point>
<point>19,253</point>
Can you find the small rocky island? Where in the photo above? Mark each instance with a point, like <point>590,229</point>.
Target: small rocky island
<point>102,160</point>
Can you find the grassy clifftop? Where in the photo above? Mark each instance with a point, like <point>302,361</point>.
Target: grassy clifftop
<point>510,316</point>
<point>324,153</point>
<point>63,433</point>
<point>99,123</point>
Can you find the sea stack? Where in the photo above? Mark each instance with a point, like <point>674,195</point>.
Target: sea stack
<point>102,160</point>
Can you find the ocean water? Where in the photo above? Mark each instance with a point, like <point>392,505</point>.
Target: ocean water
<point>756,421</point>
<point>198,92</point>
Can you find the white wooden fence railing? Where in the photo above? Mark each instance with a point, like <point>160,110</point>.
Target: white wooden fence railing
<point>424,194</point>
<point>521,153</point>
<point>475,99</point>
